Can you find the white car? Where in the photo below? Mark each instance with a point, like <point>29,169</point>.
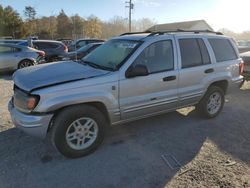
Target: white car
<point>13,56</point>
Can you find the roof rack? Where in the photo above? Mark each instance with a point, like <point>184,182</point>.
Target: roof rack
<point>152,33</point>
<point>132,33</point>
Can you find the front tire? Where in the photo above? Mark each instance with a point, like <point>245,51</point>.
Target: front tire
<point>78,131</point>
<point>212,102</point>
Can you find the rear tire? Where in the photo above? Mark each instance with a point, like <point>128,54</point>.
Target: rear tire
<point>25,63</point>
<point>78,131</point>
<point>212,102</point>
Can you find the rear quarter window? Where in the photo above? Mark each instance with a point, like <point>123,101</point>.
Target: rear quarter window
<point>223,49</point>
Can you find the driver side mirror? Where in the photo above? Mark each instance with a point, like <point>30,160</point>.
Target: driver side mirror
<point>137,70</point>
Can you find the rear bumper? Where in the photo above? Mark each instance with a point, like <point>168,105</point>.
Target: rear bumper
<point>236,83</point>
<point>34,125</point>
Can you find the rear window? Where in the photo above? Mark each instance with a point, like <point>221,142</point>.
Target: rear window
<point>223,49</point>
<point>46,45</point>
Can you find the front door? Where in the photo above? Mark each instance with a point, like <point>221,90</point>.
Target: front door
<point>156,92</point>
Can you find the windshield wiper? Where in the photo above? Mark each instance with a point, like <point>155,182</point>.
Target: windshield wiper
<point>96,65</point>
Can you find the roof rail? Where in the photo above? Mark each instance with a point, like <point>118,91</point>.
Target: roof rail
<point>152,33</point>
<point>185,31</point>
<point>132,33</point>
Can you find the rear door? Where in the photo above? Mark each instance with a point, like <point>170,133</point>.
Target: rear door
<point>195,67</point>
<point>146,95</point>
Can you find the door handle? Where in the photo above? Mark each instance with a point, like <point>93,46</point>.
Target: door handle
<point>169,78</point>
<point>209,71</point>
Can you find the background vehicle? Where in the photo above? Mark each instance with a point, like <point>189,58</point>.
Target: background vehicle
<point>11,41</point>
<point>81,52</point>
<point>82,42</point>
<point>243,46</point>
<point>246,58</point>
<point>127,78</point>
<point>14,56</point>
<point>53,49</point>
<point>6,38</point>
<point>67,42</point>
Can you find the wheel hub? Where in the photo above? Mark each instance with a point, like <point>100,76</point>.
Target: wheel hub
<point>81,133</point>
<point>214,103</point>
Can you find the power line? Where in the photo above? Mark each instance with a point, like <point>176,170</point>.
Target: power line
<point>130,6</point>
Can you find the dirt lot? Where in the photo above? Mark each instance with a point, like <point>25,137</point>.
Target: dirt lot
<point>209,153</point>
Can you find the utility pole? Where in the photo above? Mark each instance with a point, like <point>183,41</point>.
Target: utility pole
<point>130,6</point>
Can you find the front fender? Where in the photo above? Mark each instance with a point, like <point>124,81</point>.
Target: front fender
<point>57,102</point>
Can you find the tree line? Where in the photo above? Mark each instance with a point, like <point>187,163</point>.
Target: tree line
<point>73,27</point>
<point>63,26</point>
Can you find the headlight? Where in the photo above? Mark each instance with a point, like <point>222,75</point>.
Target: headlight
<point>25,102</point>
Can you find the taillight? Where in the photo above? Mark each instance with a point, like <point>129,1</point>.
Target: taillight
<point>65,48</point>
<point>41,53</point>
<point>241,67</point>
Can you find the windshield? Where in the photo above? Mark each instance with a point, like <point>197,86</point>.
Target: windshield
<point>112,53</point>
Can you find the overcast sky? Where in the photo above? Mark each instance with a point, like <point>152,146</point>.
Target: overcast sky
<point>230,14</point>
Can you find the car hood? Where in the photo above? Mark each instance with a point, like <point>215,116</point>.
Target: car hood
<point>50,74</point>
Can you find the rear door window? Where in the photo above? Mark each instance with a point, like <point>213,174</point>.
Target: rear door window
<point>223,49</point>
<point>190,53</point>
<point>204,52</point>
<point>193,52</point>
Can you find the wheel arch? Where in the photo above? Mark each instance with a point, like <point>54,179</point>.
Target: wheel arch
<point>25,59</point>
<point>223,84</point>
<point>97,104</point>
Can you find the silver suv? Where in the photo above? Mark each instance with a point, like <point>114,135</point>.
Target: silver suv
<point>129,77</point>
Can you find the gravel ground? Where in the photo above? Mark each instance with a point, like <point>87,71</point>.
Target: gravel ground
<point>209,153</point>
